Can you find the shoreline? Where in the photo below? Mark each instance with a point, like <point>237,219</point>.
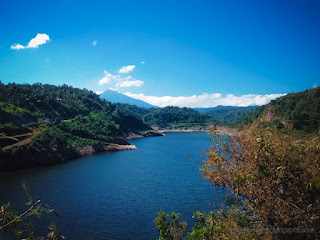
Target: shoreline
<point>20,158</point>
<point>134,136</point>
<point>23,159</point>
<point>182,130</point>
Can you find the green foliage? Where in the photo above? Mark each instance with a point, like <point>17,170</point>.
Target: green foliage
<point>138,111</point>
<point>172,229</point>
<point>58,121</point>
<point>170,117</point>
<point>278,176</point>
<point>275,173</point>
<point>129,122</point>
<point>12,109</point>
<point>228,115</point>
<point>18,225</point>
<point>301,110</point>
<point>49,100</point>
<point>96,126</point>
<point>236,221</point>
<point>174,116</point>
<point>27,192</point>
<point>251,116</point>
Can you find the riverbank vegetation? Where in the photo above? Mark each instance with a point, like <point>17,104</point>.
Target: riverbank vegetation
<point>272,166</point>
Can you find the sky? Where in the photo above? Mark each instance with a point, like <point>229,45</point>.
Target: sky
<point>182,53</point>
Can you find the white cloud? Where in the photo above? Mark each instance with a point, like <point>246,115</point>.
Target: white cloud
<point>113,89</point>
<point>128,78</point>
<point>207,100</point>
<point>143,62</point>
<point>126,69</point>
<point>108,77</point>
<point>40,39</point>
<point>98,92</point>
<point>136,83</point>
<point>315,85</point>
<point>94,43</point>
<point>17,46</point>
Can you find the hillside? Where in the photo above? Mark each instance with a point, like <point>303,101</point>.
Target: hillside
<point>173,117</point>
<point>300,111</point>
<point>46,124</point>
<point>170,118</point>
<point>116,97</point>
<point>227,114</point>
<point>133,109</point>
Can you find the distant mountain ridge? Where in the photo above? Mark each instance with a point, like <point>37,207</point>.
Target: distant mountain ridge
<point>116,97</point>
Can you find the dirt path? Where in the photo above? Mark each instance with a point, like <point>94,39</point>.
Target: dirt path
<point>16,136</point>
<point>32,135</point>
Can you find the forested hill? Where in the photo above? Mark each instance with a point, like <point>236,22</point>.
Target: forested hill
<point>171,117</point>
<point>299,110</point>
<point>29,103</point>
<point>174,115</point>
<point>227,114</point>
<point>39,99</point>
<point>45,124</point>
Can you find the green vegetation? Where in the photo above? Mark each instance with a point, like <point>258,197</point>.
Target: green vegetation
<point>276,180</point>
<point>251,116</point>
<point>300,110</point>
<point>48,100</point>
<point>138,111</point>
<point>228,115</point>
<point>12,109</point>
<point>171,117</point>
<point>18,226</point>
<point>45,124</point>
<point>232,222</point>
<point>273,173</point>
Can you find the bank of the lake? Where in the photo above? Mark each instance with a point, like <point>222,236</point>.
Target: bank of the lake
<point>116,195</point>
<point>21,156</point>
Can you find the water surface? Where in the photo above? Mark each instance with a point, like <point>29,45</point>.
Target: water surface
<point>117,195</point>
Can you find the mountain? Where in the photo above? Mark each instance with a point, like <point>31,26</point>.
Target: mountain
<point>43,124</point>
<point>300,111</point>
<point>116,97</point>
<point>225,113</point>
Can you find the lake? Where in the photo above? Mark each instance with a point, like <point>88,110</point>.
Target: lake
<point>117,195</point>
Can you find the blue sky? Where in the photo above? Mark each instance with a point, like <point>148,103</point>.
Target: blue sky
<point>243,50</point>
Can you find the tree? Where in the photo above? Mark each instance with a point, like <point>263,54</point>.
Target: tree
<point>278,176</point>
<point>276,181</point>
